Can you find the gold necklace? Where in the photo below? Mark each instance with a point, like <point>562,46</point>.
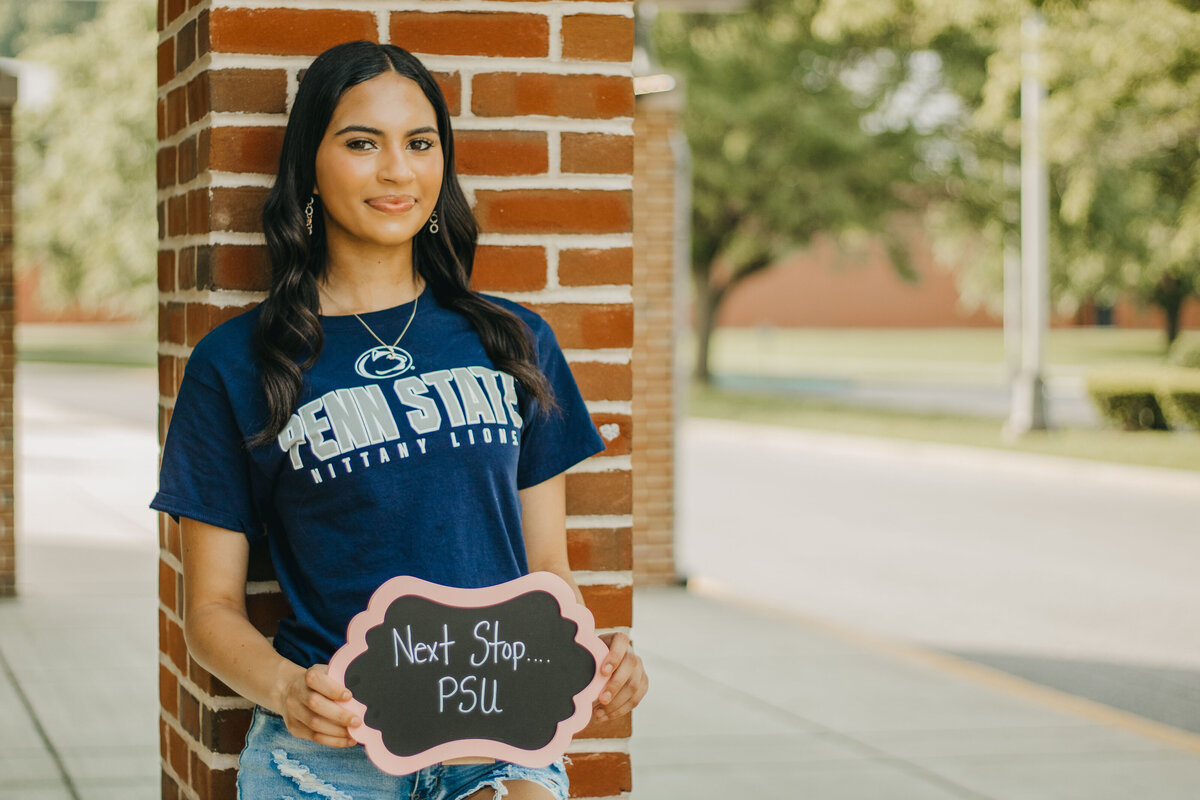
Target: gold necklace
<point>391,348</point>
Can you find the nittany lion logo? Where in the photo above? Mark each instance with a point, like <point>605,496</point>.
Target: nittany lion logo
<point>383,362</point>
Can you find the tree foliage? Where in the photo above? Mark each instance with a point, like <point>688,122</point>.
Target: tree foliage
<point>790,137</point>
<point>86,164</point>
<point>23,24</point>
<point>1122,127</point>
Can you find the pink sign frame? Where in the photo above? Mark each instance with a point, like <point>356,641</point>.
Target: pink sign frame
<point>404,585</point>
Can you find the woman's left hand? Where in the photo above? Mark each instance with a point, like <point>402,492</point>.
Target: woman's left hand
<point>628,684</point>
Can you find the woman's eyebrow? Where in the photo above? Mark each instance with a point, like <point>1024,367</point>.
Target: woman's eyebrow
<point>377,132</point>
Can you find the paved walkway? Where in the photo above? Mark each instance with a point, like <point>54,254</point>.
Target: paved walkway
<point>745,702</point>
<point>78,647</point>
<point>748,703</point>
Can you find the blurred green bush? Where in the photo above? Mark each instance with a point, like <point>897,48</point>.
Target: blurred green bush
<point>1163,399</point>
<point>1129,401</point>
<point>1179,395</point>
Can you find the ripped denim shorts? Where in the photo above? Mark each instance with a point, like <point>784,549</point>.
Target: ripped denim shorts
<point>276,766</point>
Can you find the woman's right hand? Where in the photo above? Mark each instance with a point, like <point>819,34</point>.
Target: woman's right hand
<point>309,707</point>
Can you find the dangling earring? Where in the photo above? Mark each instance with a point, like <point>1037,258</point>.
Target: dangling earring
<point>308,212</point>
<point>433,226</point>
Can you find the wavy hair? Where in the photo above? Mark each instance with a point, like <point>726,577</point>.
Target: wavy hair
<point>288,338</point>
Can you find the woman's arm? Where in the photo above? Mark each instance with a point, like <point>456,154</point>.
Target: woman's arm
<point>544,527</point>
<point>222,640</point>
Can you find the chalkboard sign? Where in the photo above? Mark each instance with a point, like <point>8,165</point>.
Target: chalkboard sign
<point>438,673</point>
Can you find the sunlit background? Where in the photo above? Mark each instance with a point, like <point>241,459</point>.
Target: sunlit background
<point>858,456</point>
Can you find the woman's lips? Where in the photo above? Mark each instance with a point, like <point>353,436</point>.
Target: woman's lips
<point>392,204</point>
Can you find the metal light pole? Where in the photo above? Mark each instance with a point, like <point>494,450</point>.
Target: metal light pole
<point>1012,279</point>
<point>1028,389</point>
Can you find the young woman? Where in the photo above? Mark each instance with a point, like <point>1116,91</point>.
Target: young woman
<point>373,417</point>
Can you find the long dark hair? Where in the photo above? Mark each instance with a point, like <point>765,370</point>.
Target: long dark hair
<point>288,339</point>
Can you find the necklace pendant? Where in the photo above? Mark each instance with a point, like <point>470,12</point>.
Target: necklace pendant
<point>383,361</point>
<point>386,360</point>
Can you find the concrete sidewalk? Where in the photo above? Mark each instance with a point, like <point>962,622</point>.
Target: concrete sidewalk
<point>744,702</point>
<point>78,646</point>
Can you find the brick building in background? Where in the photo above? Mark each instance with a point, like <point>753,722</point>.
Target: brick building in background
<point>543,105</point>
<point>659,202</point>
<point>8,355</point>
<point>820,288</point>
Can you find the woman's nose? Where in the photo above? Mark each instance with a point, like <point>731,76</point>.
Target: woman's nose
<point>394,166</point>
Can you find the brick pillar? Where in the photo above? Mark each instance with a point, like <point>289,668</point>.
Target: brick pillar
<point>656,132</point>
<point>8,355</point>
<point>543,107</point>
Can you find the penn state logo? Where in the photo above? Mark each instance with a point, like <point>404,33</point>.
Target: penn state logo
<point>383,362</point>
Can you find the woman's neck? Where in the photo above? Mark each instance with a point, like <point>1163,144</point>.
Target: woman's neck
<point>359,282</point>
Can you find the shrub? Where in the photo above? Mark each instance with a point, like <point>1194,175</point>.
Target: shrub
<point>1179,396</point>
<point>1128,401</point>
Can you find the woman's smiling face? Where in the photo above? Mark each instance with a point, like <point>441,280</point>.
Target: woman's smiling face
<point>379,165</point>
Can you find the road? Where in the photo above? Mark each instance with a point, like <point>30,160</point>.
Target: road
<point>1079,576</point>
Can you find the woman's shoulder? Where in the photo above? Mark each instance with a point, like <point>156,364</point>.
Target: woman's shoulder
<point>541,329</point>
<point>225,351</point>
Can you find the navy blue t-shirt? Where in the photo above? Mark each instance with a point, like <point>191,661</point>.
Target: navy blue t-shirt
<point>392,464</point>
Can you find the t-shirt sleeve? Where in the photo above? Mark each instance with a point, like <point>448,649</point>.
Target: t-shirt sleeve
<point>556,441</point>
<point>206,472</point>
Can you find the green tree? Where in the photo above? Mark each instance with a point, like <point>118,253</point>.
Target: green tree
<point>24,23</point>
<point>790,137</point>
<point>1121,132</point>
<point>86,164</point>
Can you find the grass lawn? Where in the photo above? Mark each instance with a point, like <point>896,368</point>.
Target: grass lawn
<point>969,355</point>
<point>115,344</point>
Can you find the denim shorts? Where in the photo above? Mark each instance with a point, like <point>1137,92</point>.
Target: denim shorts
<point>277,766</point>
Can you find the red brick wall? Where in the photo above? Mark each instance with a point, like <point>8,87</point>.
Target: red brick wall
<point>8,358</point>
<point>543,107</point>
<point>654,236</point>
<point>1129,314</point>
<point>817,288</point>
<point>32,309</point>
